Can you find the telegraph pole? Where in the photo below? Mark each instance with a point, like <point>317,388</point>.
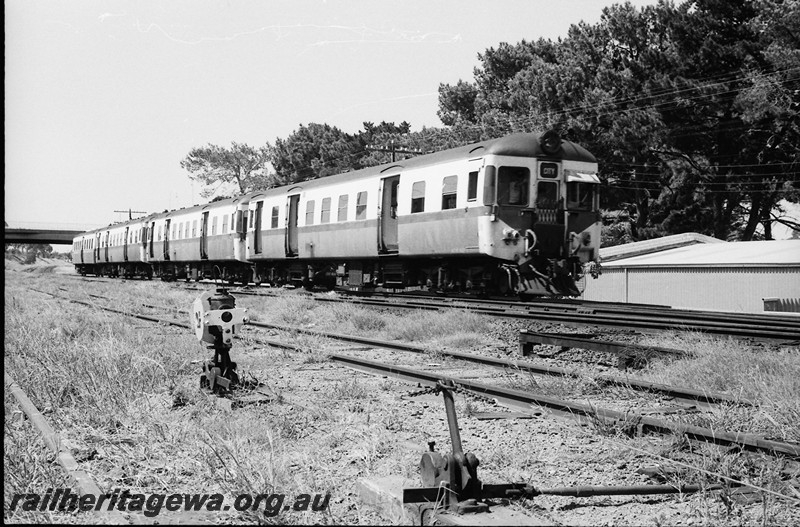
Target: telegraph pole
<point>131,212</point>
<point>393,149</point>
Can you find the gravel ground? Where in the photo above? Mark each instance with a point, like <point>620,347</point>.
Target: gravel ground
<point>328,426</point>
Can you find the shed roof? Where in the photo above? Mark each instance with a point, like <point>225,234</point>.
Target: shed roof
<point>628,250</point>
<point>733,254</point>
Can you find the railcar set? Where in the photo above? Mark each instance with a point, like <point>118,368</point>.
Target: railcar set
<point>519,214</point>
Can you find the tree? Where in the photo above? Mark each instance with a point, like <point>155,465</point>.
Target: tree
<point>314,151</point>
<point>457,103</point>
<point>691,110</point>
<point>241,166</point>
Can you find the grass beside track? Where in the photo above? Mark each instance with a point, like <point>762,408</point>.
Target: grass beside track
<point>125,394</point>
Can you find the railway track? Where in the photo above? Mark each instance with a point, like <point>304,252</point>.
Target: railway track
<point>783,329</point>
<point>526,401</point>
<point>518,398</point>
<point>575,313</point>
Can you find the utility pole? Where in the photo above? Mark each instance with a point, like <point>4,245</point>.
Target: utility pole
<point>393,150</point>
<point>131,212</point>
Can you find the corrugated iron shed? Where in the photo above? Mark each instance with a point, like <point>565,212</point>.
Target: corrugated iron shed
<point>727,276</point>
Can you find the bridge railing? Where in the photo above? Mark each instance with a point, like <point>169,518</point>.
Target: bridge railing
<point>46,226</point>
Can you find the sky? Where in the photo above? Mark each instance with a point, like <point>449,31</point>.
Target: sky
<point>104,98</point>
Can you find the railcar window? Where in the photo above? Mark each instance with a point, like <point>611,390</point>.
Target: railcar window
<point>393,199</point>
<point>547,195</point>
<point>326,211</point>
<point>490,185</point>
<point>186,229</point>
<point>310,212</point>
<point>194,228</point>
<point>233,221</point>
<point>472,186</point>
<point>342,216</point>
<point>213,226</point>
<point>160,230</point>
<point>418,197</point>
<point>361,205</point>
<point>251,221</point>
<point>580,196</point>
<point>449,192</point>
<point>274,222</point>
<point>512,186</point>
<point>225,224</point>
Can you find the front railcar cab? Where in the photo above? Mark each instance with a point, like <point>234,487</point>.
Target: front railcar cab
<point>544,204</point>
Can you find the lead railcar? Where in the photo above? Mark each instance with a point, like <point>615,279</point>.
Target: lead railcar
<point>512,215</point>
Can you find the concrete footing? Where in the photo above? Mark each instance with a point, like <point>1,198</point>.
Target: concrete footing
<point>385,495</point>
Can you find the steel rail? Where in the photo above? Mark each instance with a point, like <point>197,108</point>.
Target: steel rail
<point>612,307</point>
<point>64,457</point>
<point>528,401</point>
<point>638,317</point>
<point>760,326</point>
<point>528,339</point>
<point>709,397</point>
<point>627,318</point>
<point>646,386</point>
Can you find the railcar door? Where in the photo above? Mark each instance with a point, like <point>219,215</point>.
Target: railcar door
<point>143,243</point>
<point>105,244</point>
<point>166,238</point>
<point>291,225</point>
<point>150,235</point>
<point>125,245</point>
<point>387,226</point>
<point>257,227</point>
<point>549,227</point>
<point>204,236</point>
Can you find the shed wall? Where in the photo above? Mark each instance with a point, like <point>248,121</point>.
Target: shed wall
<point>740,289</point>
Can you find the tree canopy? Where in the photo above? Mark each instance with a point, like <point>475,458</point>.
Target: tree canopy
<point>692,111</point>
<point>241,166</point>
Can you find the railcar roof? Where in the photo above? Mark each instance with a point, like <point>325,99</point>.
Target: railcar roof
<point>514,145</point>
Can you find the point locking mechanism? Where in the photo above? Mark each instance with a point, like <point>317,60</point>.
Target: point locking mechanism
<point>451,480</point>
<point>216,321</point>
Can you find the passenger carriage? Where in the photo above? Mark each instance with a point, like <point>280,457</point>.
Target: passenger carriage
<point>205,241</point>
<point>519,214</point>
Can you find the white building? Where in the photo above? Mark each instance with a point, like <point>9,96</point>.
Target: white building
<point>693,271</point>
